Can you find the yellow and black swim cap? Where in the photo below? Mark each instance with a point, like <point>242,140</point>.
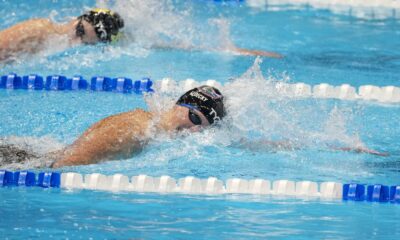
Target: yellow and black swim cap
<point>105,22</point>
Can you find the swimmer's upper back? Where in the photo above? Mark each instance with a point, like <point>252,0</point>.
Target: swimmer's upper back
<point>118,135</point>
<point>27,36</point>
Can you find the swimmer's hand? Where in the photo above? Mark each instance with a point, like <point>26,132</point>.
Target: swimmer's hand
<point>361,150</point>
<point>248,52</point>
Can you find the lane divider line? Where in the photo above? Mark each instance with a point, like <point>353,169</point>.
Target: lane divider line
<point>386,94</point>
<point>211,185</point>
<point>62,83</point>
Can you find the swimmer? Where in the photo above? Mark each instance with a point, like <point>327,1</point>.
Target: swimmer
<point>97,25</point>
<point>32,36</point>
<point>124,134</point>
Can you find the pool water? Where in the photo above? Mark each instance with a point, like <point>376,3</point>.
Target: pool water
<point>319,47</point>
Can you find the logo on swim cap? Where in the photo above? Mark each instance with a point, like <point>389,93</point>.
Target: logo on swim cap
<point>199,96</point>
<point>208,100</point>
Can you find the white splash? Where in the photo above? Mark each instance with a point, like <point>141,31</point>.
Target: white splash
<point>160,24</point>
<point>37,147</point>
<point>258,111</point>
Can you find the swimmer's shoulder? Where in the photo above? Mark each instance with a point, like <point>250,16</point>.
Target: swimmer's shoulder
<point>35,23</point>
<point>140,114</point>
<point>40,21</point>
<point>29,30</point>
<point>137,114</point>
<point>133,120</point>
<point>139,111</point>
<point>43,24</point>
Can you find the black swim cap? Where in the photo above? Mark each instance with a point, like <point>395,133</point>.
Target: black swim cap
<point>208,100</point>
<point>105,22</point>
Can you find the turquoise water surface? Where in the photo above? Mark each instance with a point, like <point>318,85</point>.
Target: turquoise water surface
<point>319,47</point>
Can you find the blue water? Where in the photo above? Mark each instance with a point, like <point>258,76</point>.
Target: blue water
<point>318,46</point>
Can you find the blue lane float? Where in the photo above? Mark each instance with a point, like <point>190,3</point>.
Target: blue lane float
<point>24,179</point>
<point>62,83</point>
<point>378,193</point>
<point>28,179</point>
<point>49,179</point>
<point>192,185</point>
<point>32,82</point>
<point>394,195</point>
<point>354,192</point>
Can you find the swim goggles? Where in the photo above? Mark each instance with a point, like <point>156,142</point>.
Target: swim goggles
<point>193,116</point>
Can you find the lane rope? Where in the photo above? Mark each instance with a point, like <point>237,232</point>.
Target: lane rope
<point>211,185</point>
<point>62,83</point>
<point>386,94</point>
<point>364,9</point>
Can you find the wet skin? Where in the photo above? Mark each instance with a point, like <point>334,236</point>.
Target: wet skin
<point>33,35</point>
<point>124,134</point>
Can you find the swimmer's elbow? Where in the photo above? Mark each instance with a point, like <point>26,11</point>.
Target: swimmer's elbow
<point>70,162</point>
<point>55,165</point>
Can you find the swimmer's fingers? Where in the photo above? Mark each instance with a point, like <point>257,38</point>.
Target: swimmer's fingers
<point>372,152</point>
<point>361,150</point>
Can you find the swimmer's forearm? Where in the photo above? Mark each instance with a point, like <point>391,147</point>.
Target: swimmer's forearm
<point>90,153</point>
<point>261,53</point>
<point>361,150</point>
<point>68,159</point>
<point>268,145</point>
<point>182,46</point>
<point>79,154</point>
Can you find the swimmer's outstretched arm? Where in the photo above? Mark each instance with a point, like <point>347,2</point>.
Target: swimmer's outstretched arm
<point>361,150</point>
<point>249,52</point>
<point>114,137</point>
<point>267,145</point>
<point>289,146</point>
<point>230,49</point>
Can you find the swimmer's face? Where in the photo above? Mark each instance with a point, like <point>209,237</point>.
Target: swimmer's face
<point>89,36</point>
<point>192,119</point>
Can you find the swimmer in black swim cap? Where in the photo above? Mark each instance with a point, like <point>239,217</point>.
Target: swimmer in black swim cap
<point>124,134</point>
